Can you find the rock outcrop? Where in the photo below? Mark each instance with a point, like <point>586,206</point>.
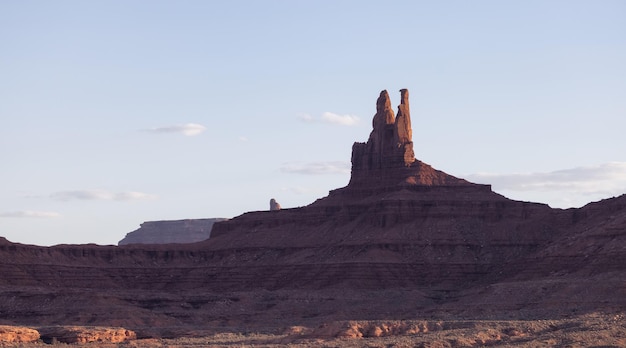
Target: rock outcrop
<point>174,231</point>
<point>274,205</point>
<point>17,334</point>
<point>85,334</point>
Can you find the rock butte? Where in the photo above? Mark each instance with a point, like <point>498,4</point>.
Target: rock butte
<point>401,241</point>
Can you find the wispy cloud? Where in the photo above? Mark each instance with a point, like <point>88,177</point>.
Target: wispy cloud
<point>30,214</point>
<point>189,129</point>
<point>607,178</point>
<point>101,195</point>
<point>299,190</point>
<point>317,168</point>
<point>344,120</point>
<point>332,118</point>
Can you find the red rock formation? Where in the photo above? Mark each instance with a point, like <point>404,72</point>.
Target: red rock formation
<point>400,240</point>
<point>404,133</point>
<point>17,334</point>
<point>86,334</point>
<point>388,159</point>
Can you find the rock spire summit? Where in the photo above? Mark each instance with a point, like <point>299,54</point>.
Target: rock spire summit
<point>387,158</point>
<point>390,143</point>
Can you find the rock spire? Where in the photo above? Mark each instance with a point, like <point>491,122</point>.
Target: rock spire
<point>387,158</point>
<point>403,135</point>
<point>390,144</point>
<point>274,205</point>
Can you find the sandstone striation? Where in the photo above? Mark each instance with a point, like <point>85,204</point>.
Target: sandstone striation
<point>167,232</point>
<point>401,241</point>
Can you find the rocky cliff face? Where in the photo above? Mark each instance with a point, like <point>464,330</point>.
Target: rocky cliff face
<point>167,232</point>
<point>402,239</point>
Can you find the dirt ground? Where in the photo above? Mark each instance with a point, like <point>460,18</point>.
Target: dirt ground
<point>590,330</point>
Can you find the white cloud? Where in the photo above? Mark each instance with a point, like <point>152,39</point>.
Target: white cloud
<point>332,118</point>
<point>607,178</point>
<point>189,129</point>
<point>101,195</point>
<point>30,214</point>
<point>316,168</point>
<point>299,190</point>
<point>344,120</point>
<point>242,138</point>
<point>133,196</point>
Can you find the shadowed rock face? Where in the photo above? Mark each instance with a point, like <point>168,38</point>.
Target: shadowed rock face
<point>401,238</point>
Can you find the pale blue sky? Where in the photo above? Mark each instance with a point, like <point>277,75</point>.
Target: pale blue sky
<point>118,112</point>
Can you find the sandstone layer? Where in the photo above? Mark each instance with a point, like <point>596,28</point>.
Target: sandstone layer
<point>401,241</point>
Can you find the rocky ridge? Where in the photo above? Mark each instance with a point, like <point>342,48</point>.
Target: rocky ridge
<point>401,240</point>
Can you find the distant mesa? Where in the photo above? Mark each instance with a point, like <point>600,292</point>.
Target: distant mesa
<point>274,205</point>
<point>173,231</point>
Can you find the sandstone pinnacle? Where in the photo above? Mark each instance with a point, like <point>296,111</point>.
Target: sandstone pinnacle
<point>387,158</point>
<point>384,112</point>
<point>390,143</point>
<point>274,205</point>
<point>403,121</point>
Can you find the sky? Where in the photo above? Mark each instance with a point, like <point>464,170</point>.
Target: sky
<point>119,112</point>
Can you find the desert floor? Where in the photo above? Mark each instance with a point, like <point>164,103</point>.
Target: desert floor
<point>590,330</point>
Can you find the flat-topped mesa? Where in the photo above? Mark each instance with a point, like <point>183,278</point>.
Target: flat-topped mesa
<point>388,159</point>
